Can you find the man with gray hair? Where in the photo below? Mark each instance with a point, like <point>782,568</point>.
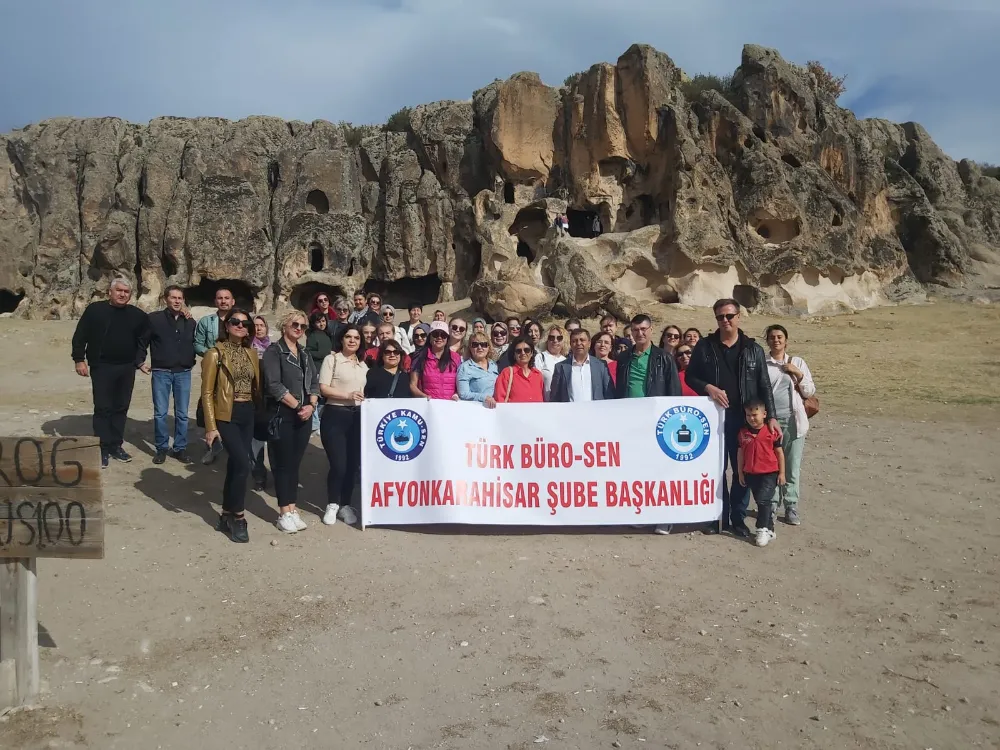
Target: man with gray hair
<point>108,348</point>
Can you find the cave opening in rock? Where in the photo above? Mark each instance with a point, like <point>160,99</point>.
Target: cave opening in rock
<point>318,201</point>
<point>422,290</point>
<point>773,229</point>
<point>303,295</point>
<point>9,300</point>
<point>582,222</point>
<point>838,220</point>
<point>203,295</point>
<point>316,256</point>
<point>524,251</point>
<point>508,192</point>
<point>168,264</point>
<point>273,175</point>
<point>748,296</point>
<point>791,161</point>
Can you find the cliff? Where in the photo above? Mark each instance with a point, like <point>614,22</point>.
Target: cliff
<point>773,194</point>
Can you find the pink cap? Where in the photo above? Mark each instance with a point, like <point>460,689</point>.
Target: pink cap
<point>439,325</point>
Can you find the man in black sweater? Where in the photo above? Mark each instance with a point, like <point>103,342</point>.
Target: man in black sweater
<point>170,338</point>
<point>730,368</point>
<point>107,347</point>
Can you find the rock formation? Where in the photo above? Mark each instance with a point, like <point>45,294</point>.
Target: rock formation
<point>772,194</point>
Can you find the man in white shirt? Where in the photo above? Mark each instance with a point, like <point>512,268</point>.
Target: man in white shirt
<point>581,377</point>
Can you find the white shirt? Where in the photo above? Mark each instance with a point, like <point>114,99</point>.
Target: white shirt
<point>546,364</point>
<point>579,384</point>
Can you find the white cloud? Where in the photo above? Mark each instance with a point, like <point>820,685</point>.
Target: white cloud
<point>927,60</point>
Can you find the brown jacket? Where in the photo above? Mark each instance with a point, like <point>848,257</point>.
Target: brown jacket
<point>217,392</point>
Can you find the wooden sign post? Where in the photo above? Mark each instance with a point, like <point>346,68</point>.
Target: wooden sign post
<point>51,505</point>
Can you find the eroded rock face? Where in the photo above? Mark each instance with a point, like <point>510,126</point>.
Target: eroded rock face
<point>775,196</point>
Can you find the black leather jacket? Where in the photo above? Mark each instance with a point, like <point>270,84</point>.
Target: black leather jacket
<point>661,375</point>
<point>754,381</point>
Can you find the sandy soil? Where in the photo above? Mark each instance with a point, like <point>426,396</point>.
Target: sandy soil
<point>873,625</point>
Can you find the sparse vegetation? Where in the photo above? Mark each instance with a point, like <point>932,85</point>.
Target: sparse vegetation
<point>990,170</point>
<point>702,82</point>
<point>398,122</point>
<point>353,133</point>
<point>827,81</point>
<point>572,80</point>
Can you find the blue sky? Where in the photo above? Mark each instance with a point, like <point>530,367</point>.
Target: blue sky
<point>933,61</point>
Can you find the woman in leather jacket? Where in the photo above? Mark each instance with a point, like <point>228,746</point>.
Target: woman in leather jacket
<point>230,392</point>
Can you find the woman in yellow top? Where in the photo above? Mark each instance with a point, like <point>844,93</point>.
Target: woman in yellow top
<point>342,379</point>
<point>230,392</point>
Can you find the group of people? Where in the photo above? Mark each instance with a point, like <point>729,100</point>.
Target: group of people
<point>258,393</point>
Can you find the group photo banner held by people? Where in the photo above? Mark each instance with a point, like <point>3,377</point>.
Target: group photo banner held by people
<point>602,463</point>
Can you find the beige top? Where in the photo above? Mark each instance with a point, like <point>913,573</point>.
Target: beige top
<point>344,376</point>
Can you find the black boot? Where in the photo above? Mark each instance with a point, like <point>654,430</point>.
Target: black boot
<point>238,530</point>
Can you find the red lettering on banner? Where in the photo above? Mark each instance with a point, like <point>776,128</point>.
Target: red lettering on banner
<point>611,494</point>
<point>376,501</point>
<point>525,456</point>
<point>508,457</point>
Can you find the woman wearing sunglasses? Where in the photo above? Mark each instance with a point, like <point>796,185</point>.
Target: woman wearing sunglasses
<point>498,343</point>
<point>388,377</point>
<point>292,386</point>
<point>321,304</point>
<point>389,316</point>
<point>683,357</point>
<point>342,381</point>
<point>230,389</point>
<point>670,339</point>
<point>456,335</point>
<point>420,333</point>
<point>556,348</point>
<point>521,382</point>
<point>434,369</point>
<point>337,320</point>
<point>477,375</point>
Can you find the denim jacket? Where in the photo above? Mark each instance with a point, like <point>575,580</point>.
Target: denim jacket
<point>475,383</point>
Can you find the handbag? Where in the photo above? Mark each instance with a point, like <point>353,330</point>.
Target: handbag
<point>811,404</point>
<point>199,414</point>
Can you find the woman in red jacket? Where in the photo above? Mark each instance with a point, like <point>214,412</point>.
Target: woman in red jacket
<point>521,382</point>
<point>683,357</point>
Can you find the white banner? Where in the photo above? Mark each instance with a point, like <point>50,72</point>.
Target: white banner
<point>634,461</point>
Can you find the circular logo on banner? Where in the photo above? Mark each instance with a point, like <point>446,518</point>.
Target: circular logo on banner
<point>682,432</point>
<point>401,435</point>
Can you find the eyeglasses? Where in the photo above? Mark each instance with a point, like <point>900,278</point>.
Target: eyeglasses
<point>391,352</point>
<point>375,303</point>
<point>343,309</point>
<point>683,354</point>
<point>237,323</point>
<point>479,345</point>
<point>515,328</point>
<point>499,334</point>
<point>439,335</point>
<point>457,329</point>
<point>298,326</point>
<point>673,336</point>
<point>725,316</point>
<point>556,339</point>
<point>522,351</point>
<point>419,336</point>
<point>386,314</point>
<point>322,299</point>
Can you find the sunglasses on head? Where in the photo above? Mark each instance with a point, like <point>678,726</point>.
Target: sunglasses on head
<point>237,323</point>
<point>725,316</point>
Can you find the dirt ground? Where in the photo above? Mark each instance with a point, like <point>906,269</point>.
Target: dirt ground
<point>873,625</point>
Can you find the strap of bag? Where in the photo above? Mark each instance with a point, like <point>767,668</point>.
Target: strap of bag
<point>510,383</point>
<point>395,379</point>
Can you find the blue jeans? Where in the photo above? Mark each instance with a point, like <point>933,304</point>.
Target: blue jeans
<point>735,497</point>
<point>165,382</point>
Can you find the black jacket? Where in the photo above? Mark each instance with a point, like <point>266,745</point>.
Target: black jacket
<point>283,373</point>
<point>106,334</point>
<point>661,375</point>
<point>379,384</point>
<point>170,341</point>
<point>753,380</point>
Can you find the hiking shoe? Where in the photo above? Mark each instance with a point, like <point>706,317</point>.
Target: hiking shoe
<point>347,515</point>
<point>286,523</point>
<point>741,530</point>
<point>119,454</point>
<point>330,516</point>
<point>182,456</point>
<point>238,531</point>
<point>663,529</point>
<point>223,524</point>
<point>104,459</point>
<point>300,525</point>
<point>160,457</point>
<point>764,536</point>
<point>792,516</point>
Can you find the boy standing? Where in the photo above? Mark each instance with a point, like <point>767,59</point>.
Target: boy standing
<point>760,464</point>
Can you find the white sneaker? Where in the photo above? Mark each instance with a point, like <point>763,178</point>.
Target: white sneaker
<point>663,529</point>
<point>764,536</point>
<point>347,515</point>
<point>330,517</point>
<point>286,523</point>
<point>300,525</point>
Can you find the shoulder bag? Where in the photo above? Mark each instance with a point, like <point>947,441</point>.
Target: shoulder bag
<point>811,403</point>
<point>510,384</point>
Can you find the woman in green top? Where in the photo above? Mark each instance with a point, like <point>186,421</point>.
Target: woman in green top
<point>318,345</point>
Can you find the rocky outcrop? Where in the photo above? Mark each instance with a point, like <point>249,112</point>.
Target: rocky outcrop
<point>771,193</point>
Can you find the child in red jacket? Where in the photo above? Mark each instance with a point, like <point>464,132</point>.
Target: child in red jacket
<point>760,464</point>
